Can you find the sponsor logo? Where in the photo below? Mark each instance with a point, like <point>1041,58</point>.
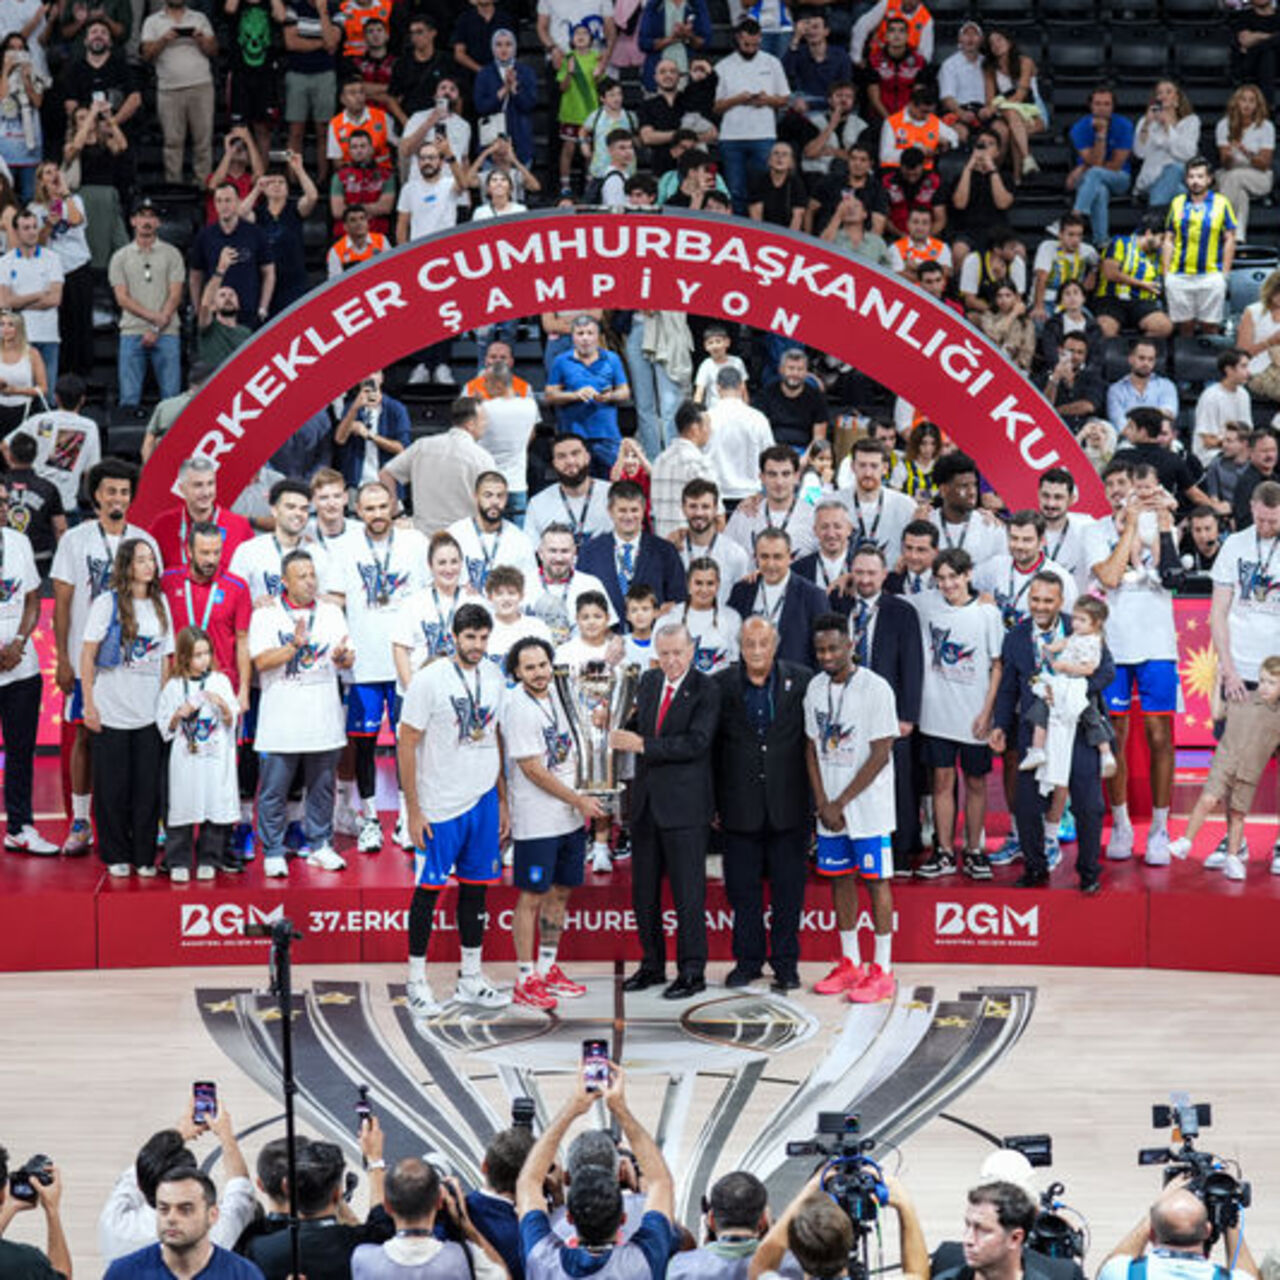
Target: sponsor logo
<point>203,924</point>
<point>982,924</point>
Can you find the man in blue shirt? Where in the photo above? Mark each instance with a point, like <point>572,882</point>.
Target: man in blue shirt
<point>586,387</point>
<point>1102,142</point>
<point>595,1200</point>
<point>186,1209</point>
<point>1141,386</point>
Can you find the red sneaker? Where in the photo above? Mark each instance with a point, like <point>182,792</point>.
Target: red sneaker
<point>844,977</point>
<point>555,979</point>
<point>876,985</point>
<point>533,994</point>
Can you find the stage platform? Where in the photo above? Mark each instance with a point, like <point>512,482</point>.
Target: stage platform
<point>61,913</point>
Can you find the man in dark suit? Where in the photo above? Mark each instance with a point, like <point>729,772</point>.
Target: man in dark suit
<point>914,570</point>
<point>1023,656</point>
<point>885,631</point>
<point>828,566</point>
<point>629,555</point>
<point>672,804</point>
<point>788,601</point>
<point>762,797</point>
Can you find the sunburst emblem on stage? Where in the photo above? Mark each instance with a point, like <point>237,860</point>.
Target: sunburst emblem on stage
<point>1200,671</point>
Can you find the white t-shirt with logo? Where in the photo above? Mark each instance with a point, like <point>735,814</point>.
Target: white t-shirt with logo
<point>1000,577</point>
<point>960,644</point>
<point>734,562</point>
<point>538,729</point>
<point>483,551</point>
<point>67,445</point>
<point>503,635</point>
<point>1250,566</point>
<point>301,708</point>
<point>258,563</point>
<point>843,721</point>
<point>424,625</point>
<point>126,695</point>
<point>556,603</point>
<point>457,713</point>
<point>202,760</point>
<point>715,634</point>
<point>18,576</point>
<point>431,206</point>
<point>1140,626</point>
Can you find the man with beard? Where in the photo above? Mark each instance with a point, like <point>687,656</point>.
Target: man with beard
<point>1073,388</point>
<point>561,583</point>
<point>361,180</point>
<point>218,328</point>
<point>957,519</point>
<point>100,70</point>
<point>1199,248</point>
<point>198,485</point>
<point>576,499</point>
<point>1064,530</point>
<point>701,537</point>
<point>879,513</point>
<point>429,200</point>
<point>787,600</point>
<point>488,539</point>
<point>660,114</point>
<point>795,407</point>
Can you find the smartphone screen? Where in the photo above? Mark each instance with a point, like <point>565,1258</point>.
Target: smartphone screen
<point>364,1110</point>
<point>205,1094</point>
<point>595,1065</point>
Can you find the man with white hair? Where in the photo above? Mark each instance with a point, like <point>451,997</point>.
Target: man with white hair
<point>198,484</point>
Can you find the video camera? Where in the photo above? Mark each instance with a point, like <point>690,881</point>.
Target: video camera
<point>1222,1192</point>
<point>1054,1235</point>
<point>851,1178</point>
<point>37,1169</point>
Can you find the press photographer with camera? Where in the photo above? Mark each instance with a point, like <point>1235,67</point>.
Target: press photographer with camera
<point>36,1183</point>
<point>492,1208</point>
<point>736,1216</point>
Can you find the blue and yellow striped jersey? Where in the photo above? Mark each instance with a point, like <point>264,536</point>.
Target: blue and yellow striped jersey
<point>1199,233</point>
<point>1134,261</point>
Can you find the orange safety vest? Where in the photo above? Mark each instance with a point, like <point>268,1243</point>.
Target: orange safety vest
<point>475,388</point>
<point>909,133</point>
<point>931,251</point>
<point>375,125</point>
<point>354,15</point>
<point>916,23</point>
<point>350,256</point>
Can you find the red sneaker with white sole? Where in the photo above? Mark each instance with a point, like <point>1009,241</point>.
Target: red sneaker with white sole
<point>533,994</point>
<point>844,977</point>
<point>876,985</point>
<point>559,983</point>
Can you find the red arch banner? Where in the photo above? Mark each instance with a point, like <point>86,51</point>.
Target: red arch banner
<point>505,268</point>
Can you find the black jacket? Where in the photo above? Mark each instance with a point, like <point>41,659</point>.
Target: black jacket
<point>657,564</point>
<point>897,653</point>
<point>803,604</point>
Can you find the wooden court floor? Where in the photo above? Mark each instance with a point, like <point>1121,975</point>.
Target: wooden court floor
<point>92,1063</point>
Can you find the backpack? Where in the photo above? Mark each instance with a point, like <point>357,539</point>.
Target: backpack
<point>593,193</point>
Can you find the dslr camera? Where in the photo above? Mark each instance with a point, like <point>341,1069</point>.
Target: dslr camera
<point>852,1179</point>
<point>38,1169</point>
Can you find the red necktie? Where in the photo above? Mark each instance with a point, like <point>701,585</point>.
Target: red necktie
<point>667,695</point>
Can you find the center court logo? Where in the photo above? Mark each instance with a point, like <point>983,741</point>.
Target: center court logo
<point>205,924</point>
<point>985,924</point>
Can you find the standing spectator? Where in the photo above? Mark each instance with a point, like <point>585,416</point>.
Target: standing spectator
<point>254,27</point>
<point>311,40</point>
<point>893,70</point>
<point>373,430</point>
<point>62,229</point>
<point>279,217</point>
<point>558,18</point>
<point>356,114</point>
<point>443,117</point>
<point>794,404</point>
<point>1226,400</point>
<point>778,195</point>
<point>875,23</point>
<point>980,198</point>
<point>66,446</point>
<point>814,64</point>
<point>473,32</point>
<point>249,270</point>
<point>585,385</point>
<point>33,504</point>
<point>508,90</point>
<point>31,283</point>
<point>1168,135</point>
<point>429,201</point>
<point>510,421</point>
<point>376,65</point>
<point>1246,141</point>
<point>1258,335</point>
<point>357,243</point>
<point>908,253</point>
<point>962,92</point>
<point>241,165</point>
<point>103,70</point>
<point>739,434</point>
<point>684,459</point>
<point>671,34</point>
<point>22,372</point>
<point>1013,100</point>
<point>1128,294</point>
<point>1141,387</point>
<point>22,88</point>
<point>660,367</point>
<point>912,186</point>
<point>1199,248</point>
<point>181,43</point>
<point>752,86</point>
<point>1255,27</point>
<point>1102,142</point>
<point>660,116</point>
<point>418,71</point>
<point>98,148</point>
<point>576,78</point>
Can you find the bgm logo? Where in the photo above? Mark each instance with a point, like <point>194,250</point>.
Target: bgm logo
<point>207,925</point>
<point>985,924</point>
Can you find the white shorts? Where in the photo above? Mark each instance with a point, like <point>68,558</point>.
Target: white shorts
<point>1195,297</point>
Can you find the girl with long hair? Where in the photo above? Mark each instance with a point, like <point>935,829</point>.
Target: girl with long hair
<point>1246,141</point>
<point>1014,105</point>
<point>63,228</point>
<point>1167,136</point>
<point>913,473</point>
<point>1259,336</point>
<point>22,372</point>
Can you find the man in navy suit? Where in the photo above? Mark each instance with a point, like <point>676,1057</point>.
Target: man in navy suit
<point>629,555</point>
<point>1023,656</point>
<point>828,567</point>
<point>886,637</point>
<point>787,600</point>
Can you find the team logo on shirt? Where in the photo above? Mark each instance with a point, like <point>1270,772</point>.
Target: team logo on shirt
<point>947,652</point>
<point>380,585</point>
<point>1256,582</point>
<point>139,649</point>
<point>438,639</point>
<point>197,730</point>
<point>306,658</point>
<point>477,572</point>
<point>558,745</point>
<point>831,733</point>
<point>707,658</point>
<point>98,574</point>
<point>473,719</point>
<point>272,584</point>
<point>10,589</point>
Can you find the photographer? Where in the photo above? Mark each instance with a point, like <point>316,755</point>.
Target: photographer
<point>737,1218</point>
<point>1174,1239</point>
<point>128,1221</point>
<point>24,1261</point>
<point>595,1201</point>
<point>596,1149</point>
<point>492,1208</point>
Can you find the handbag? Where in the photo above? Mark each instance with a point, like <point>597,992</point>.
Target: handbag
<point>111,648</point>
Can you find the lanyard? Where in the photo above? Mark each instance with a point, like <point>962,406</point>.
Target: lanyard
<point>96,588</point>
<point>708,553</point>
<point>764,609</point>
<point>863,535</point>
<point>381,568</point>
<point>182,531</point>
<point>308,609</point>
<point>552,716</point>
<point>848,560</point>
<point>191,608</point>
<point>487,553</point>
<point>786,520</point>
<point>577,523</point>
<point>1261,573</point>
<point>835,715</point>
<point>475,730</point>
<point>446,624</point>
<point>1015,598</point>
<point>1052,553</point>
<point>1045,638</point>
<point>946,533</point>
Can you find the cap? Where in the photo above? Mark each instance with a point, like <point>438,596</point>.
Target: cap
<point>750,25</point>
<point>200,372</point>
<point>146,203</point>
<point>971,22</point>
<point>910,157</point>
<point>1007,1165</point>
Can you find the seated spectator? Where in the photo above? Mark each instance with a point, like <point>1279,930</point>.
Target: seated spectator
<point>24,1260</point>
<point>128,1219</point>
<point>1257,336</point>
<point>917,246</point>
<point>508,90</point>
<point>1013,103</point>
<point>1069,257</point>
<point>1264,453</point>
<point>167,412</point>
<point>873,26</point>
<point>357,243</point>
<point>695,177</point>
<point>916,125</point>
<point>1201,540</point>
<point>611,190</point>
<point>1072,317</point>
<point>1224,471</point>
<point>982,272</point>
<point>933,278</point>
<point>1226,400</point>
<point>813,63</point>
<point>241,166</point>
<point>824,137</point>
<point>361,180</point>
<point>661,116</point>
<point>847,228</point>
<point>671,34</point>
<point>858,175</point>
<point>1246,141</point>
<point>1199,247</point>
<point>356,114</point>
<point>218,328</point>
<point>778,196</point>
<point>1008,326</point>
<point>962,92</point>
<point>1255,44</point>
<point>1142,386</point>
<point>1167,136</point>
<point>1128,294</point>
<point>1102,142</point>
<point>912,186</point>
<point>892,71</point>
<point>1071,385</point>
<point>978,200</point>
<point>492,1208</point>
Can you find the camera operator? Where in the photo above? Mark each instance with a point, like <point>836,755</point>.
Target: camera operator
<point>821,1236</point>
<point>596,1149</point>
<point>1172,1242</point>
<point>24,1261</point>
<point>128,1222</point>
<point>186,1213</point>
<point>737,1218</point>
<point>493,1208</point>
<point>595,1201</point>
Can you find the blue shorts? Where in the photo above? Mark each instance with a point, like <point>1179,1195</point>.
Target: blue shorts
<point>1157,683</point>
<point>871,857</point>
<point>364,708</point>
<point>73,711</point>
<point>558,860</point>
<point>465,847</point>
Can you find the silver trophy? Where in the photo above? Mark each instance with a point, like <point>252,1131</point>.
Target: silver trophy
<point>583,695</point>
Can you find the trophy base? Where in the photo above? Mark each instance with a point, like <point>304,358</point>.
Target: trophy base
<point>607,796</point>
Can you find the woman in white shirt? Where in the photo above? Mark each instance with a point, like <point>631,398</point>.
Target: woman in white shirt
<point>1246,141</point>
<point>1258,337</point>
<point>1167,136</point>
<point>63,228</point>
<point>128,640</point>
<point>22,373</point>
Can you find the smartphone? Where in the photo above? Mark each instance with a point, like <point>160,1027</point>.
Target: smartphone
<point>204,1094</point>
<point>278,157</point>
<point>713,169</point>
<point>442,104</point>
<point>364,1109</point>
<point>595,1065</point>
<point>187,31</point>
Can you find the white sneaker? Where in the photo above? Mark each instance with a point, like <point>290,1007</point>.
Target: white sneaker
<point>346,821</point>
<point>1219,855</point>
<point>29,840</point>
<point>1275,864</point>
<point>327,858</point>
<point>421,1000</point>
<point>1157,854</point>
<point>179,875</point>
<point>206,872</point>
<point>1180,848</point>
<point>478,990</point>
<point>1121,847</point>
<point>1233,867</point>
<point>443,374</point>
<point>148,873</point>
<point>419,374</point>
<point>401,835</point>
<point>601,862</point>
<point>275,867</point>
<point>370,836</point>
<point>1034,758</point>
<point>121,870</point>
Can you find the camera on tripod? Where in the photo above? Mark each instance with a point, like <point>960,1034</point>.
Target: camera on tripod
<point>1222,1192</point>
<point>852,1179</point>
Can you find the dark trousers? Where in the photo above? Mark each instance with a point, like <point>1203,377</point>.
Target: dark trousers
<point>19,721</point>
<point>751,858</point>
<point>210,846</point>
<point>1086,803</point>
<point>75,322</point>
<point>127,767</point>
<point>908,774</point>
<point>680,854</point>
<point>1259,66</point>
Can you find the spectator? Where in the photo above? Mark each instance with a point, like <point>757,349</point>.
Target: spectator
<point>353,17</point>
<point>751,87</point>
<point>1226,400</point>
<point>778,195</point>
<point>67,445</point>
<point>375,65</point>
<point>373,430</point>
<point>585,385</point>
<point>856,175</point>
<point>1150,435</point>
<point>99,152</point>
<point>429,201</point>
<point>1246,141</point>
<point>1142,386</point>
<point>32,285</point>
<point>1102,142</point>
<point>814,64</point>
<point>421,66</point>
<point>576,78</point>
<point>442,118</point>
<point>876,22</point>
<point>1199,247</point>
<point>473,31</point>
<point>33,503</point>
<point>697,178</point>
<point>794,403</point>
<point>1258,334</point>
<point>357,243</point>
<point>24,1261</point>
<point>22,374</point>
<point>498,157</point>
<point>356,114</point>
<point>311,40</point>
<point>962,92</point>
<point>557,19</point>
<point>916,125</point>
<point>1168,135</point>
<point>1009,327</point>
<point>1128,294</point>
<point>218,328</point>
<point>497,352</point>
<point>1264,451</point>
<point>279,217</point>
<point>492,1207</point>
<point>101,69</point>
<point>912,186</point>
<point>824,137</point>
<point>1016,108</point>
<point>660,116</point>
<point>1201,540</point>
<point>254,29</point>
<point>1255,27</point>
<point>507,90</point>
<point>241,165</point>
<point>611,190</point>
<point>1223,473</point>
<point>441,470</point>
<point>609,116</point>
<point>250,272</point>
<point>22,89</point>
<point>907,253</point>
<point>848,229</point>
<point>510,421</point>
<point>684,459</point>
<point>181,43</point>
<point>893,70</point>
<point>1069,257</point>
<point>1071,317</point>
<point>168,411</point>
<point>1071,385</point>
<point>62,229</point>
<point>979,199</point>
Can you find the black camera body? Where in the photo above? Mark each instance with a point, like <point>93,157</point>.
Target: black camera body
<point>37,1169</point>
<point>854,1180</point>
<point>1055,1235</point>
<point>523,1111</point>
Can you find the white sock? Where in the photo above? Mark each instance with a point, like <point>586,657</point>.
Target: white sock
<point>80,806</point>
<point>884,951</point>
<point>403,811</point>
<point>470,962</point>
<point>370,807</point>
<point>1120,817</point>
<point>849,945</point>
<point>1051,830</point>
<point>524,969</point>
<point>1160,820</point>
<point>417,968</point>
<point>546,957</point>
